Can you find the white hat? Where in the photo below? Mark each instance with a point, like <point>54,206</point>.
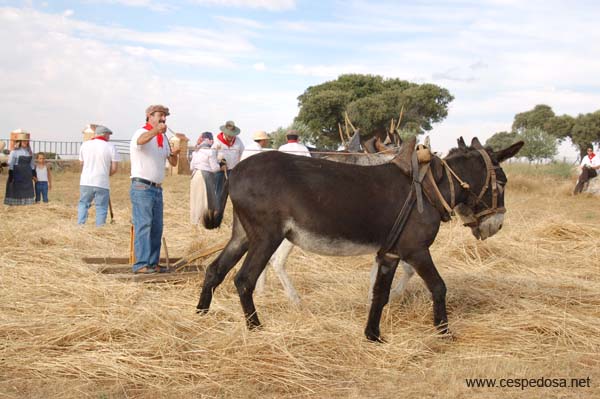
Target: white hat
<point>260,135</point>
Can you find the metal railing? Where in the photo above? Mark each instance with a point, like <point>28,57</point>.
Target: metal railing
<point>69,149</point>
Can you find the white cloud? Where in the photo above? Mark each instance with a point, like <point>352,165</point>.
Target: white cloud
<point>236,22</point>
<point>272,5</point>
<point>158,6</point>
<point>259,66</point>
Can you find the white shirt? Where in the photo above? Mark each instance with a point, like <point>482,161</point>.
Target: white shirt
<point>586,161</point>
<point>295,148</point>
<point>204,159</point>
<point>41,173</point>
<point>148,160</point>
<point>231,154</point>
<point>253,149</point>
<point>97,156</point>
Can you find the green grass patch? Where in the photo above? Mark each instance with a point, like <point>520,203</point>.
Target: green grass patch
<point>561,170</point>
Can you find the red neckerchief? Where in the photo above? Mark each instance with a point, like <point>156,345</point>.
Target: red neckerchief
<point>292,141</point>
<point>222,139</point>
<point>159,137</point>
<point>592,155</point>
<point>100,138</point>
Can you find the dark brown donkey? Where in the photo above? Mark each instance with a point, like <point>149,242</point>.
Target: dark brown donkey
<point>339,209</point>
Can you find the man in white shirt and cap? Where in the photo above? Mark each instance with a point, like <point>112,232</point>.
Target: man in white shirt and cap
<point>229,149</point>
<point>293,146</point>
<point>99,160</point>
<point>149,148</point>
<point>260,144</point>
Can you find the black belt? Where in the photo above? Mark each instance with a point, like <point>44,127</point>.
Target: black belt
<point>148,182</point>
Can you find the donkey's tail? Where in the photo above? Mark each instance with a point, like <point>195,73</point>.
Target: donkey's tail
<point>213,216</point>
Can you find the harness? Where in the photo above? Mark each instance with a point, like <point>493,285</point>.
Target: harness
<point>420,168</point>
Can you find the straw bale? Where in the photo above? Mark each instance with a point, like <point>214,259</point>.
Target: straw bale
<point>522,304</point>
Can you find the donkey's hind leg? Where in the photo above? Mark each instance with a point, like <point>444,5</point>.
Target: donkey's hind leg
<point>259,252</point>
<point>218,269</point>
<point>278,260</point>
<point>399,288</point>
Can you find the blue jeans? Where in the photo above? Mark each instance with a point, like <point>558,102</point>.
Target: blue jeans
<point>97,194</point>
<point>147,209</point>
<point>41,190</point>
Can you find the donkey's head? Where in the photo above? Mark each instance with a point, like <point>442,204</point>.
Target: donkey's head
<point>483,207</point>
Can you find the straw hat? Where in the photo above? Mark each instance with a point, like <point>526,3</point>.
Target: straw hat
<point>260,135</point>
<point>19,135</point>
<point>230,129</point>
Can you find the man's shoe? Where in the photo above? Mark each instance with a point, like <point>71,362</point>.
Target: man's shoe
<point>145,270</point>
<point>163,269</point>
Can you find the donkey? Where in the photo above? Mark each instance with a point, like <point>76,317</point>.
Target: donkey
<point>385,152</point>
<point>341,209</point>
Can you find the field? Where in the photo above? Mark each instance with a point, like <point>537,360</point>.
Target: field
<point>524,304</point>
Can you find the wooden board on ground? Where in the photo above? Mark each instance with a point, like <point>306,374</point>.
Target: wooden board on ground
<point>126,268</point>
<point>107,260</point>
<point>158,277</point>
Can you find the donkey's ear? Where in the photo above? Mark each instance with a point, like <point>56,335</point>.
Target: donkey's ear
<point>403,159</point>
<point>508,152</point>
<point>476,144</point>
<point>461,143</point>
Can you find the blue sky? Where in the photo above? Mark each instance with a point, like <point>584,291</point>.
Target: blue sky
<point>65,64</point>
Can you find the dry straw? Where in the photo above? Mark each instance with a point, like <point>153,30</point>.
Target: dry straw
<point>523,304</point>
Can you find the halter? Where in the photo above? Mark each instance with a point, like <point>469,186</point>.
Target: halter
<point>490,182</point>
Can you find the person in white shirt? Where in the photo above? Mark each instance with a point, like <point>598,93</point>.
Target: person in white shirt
<point>229,149</point>
<point>589,169</point>
<point>149,148</point>
<point>204,165</point>
<point>261,143</point>
<point>293,146</point>
<point>43,182</point>
<point>98,162</point>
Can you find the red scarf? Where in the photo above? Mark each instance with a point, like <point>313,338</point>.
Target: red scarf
<point>100,138</point>
<point>222,139</point>
<point>292,141</point>
<point>592,155</point>
<point>159,137</point>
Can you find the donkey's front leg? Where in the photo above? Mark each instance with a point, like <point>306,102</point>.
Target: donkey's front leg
<point>423,264</point>
<point>381,294</point>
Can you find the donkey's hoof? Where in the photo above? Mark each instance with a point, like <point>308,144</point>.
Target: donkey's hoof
<point>374,337</point>
<point>201,311</point>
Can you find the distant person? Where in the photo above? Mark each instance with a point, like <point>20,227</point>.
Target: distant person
<point>149,149</point>
<point>21,173</point>
<point>99,160</point>
<point>261,143</point>
<point>43,182</point>
<point>293,146</point>
<point>229,149</point>
<point>589,166</point>
<point>204,165</point>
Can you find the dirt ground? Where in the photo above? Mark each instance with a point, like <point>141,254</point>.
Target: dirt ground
<point>523,305</point>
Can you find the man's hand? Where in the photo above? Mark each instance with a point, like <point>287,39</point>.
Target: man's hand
<point>161,128</point>
<point>176,152</point>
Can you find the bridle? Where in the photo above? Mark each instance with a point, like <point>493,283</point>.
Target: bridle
<point>491,182</point>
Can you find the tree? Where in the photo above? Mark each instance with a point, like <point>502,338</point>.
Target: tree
<point>538,144</point>
<point>560,126</point>
<point>532,119</point>
<point>586,131</point>
<point>371,102</point>
<point>502,140</point>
